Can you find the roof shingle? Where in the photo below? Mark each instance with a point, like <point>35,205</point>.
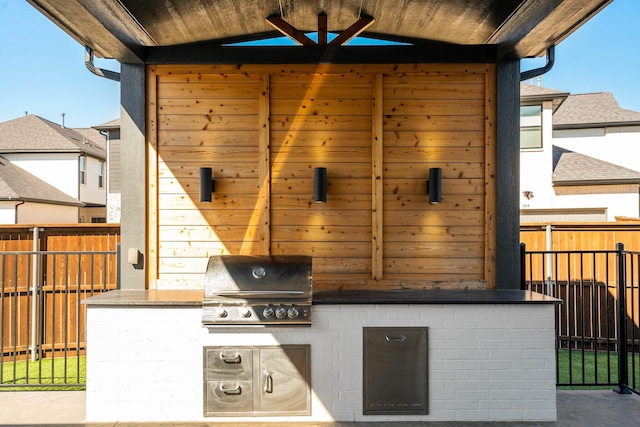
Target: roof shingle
<point>31,133</point>
<point>571,168</point>
<point>595,109</point>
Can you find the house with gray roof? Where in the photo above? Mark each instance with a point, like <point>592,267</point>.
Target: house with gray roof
<point>51,169</point>
<point>111,130</point>
<point>578,157</point>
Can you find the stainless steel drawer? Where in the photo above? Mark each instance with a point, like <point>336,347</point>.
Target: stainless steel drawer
<point>228,363</point>
<point>228,398</point>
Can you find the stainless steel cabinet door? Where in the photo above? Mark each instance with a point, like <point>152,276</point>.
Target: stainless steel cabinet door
<point>254,381</point>
<point>284,378</point>
<point>395,373</point>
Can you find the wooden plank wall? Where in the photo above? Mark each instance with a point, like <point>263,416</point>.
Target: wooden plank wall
<point>377,129</point>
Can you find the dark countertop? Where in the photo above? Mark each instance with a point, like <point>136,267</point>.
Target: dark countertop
<point>176,298</point>
<point>193,298</point>
<point>435,296</point>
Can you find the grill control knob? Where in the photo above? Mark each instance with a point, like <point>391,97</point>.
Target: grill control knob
<point>292,313</point>
<point>268,312</point>
<point>281,312</point>
<point>245,312</point>
<point>221,312</point>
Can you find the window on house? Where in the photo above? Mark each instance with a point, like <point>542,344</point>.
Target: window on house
<point>101,175</point>
<point>83,169</point>
<point>531,126</point>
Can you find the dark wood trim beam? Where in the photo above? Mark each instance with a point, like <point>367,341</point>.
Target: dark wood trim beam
<point>554,27</point>
<point>290,31</point>
<point>507,175</point>
<point>214,54</point>
<point>353,31</point>
<point>322,29</point>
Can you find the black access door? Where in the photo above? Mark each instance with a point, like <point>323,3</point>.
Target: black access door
<point>395,373</point>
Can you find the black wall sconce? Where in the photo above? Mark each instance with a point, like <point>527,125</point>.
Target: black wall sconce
<point>207,184</point>
<point>320,185</point>
<point>434,185</point>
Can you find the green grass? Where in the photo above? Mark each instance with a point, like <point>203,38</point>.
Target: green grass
<point>41,373</point>
<point>596,369</point>
<point>44,374</point>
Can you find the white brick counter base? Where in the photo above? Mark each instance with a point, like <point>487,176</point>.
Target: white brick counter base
<point>487,362</point>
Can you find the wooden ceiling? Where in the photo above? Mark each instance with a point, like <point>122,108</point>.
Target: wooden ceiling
<point>125,29</point>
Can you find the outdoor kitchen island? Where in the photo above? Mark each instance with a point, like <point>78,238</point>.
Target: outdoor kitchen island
<point>490,354</point>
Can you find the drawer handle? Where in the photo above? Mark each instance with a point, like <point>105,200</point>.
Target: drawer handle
<point>401,338</point>
<point>232,359</point>
<point>268,382</point>
<point>235,390</point>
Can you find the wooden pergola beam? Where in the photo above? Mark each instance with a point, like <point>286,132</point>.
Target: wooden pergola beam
<point>353,31</point>
<point>322,29</point>
<point>290,31</point>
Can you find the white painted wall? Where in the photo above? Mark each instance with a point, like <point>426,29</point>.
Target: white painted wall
<point>57,169</point>
<point>487,362</point>
<point>8,212</point>
<point>536,167</point>
<point>90,192</point>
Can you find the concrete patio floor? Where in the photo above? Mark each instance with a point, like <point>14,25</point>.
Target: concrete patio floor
<point>66,408</point>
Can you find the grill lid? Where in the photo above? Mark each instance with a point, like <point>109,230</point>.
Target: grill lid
<point>258,277</point>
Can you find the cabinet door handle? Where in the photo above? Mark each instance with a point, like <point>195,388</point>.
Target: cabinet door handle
<point>230,359</point>
<point>268,382</point>
<point>400,338</point>
<point>234,390</point>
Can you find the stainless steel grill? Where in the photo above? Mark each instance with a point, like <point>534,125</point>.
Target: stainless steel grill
<point>257,290</point>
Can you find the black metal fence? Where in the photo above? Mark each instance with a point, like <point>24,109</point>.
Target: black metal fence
<point>598,323</point>
<point>42,332</point>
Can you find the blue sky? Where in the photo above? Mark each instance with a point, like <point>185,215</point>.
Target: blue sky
<point>42,68</point>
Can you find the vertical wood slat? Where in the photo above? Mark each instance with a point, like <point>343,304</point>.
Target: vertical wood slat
<point>377,260</point>
<point>264,169</point>
<point>152,179</point>
<point>490,180</point>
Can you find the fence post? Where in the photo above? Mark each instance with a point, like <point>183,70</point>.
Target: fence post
<point>523,267</point>
<point>623,374</point>
<point>34,347</point>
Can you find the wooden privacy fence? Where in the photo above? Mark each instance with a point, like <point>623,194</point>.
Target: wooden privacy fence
<point>45,272</point>
<point>578,262</point>
<point>580,236</point>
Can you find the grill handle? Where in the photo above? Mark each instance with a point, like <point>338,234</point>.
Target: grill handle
<point>268,382</point>
<point>239,294</point>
